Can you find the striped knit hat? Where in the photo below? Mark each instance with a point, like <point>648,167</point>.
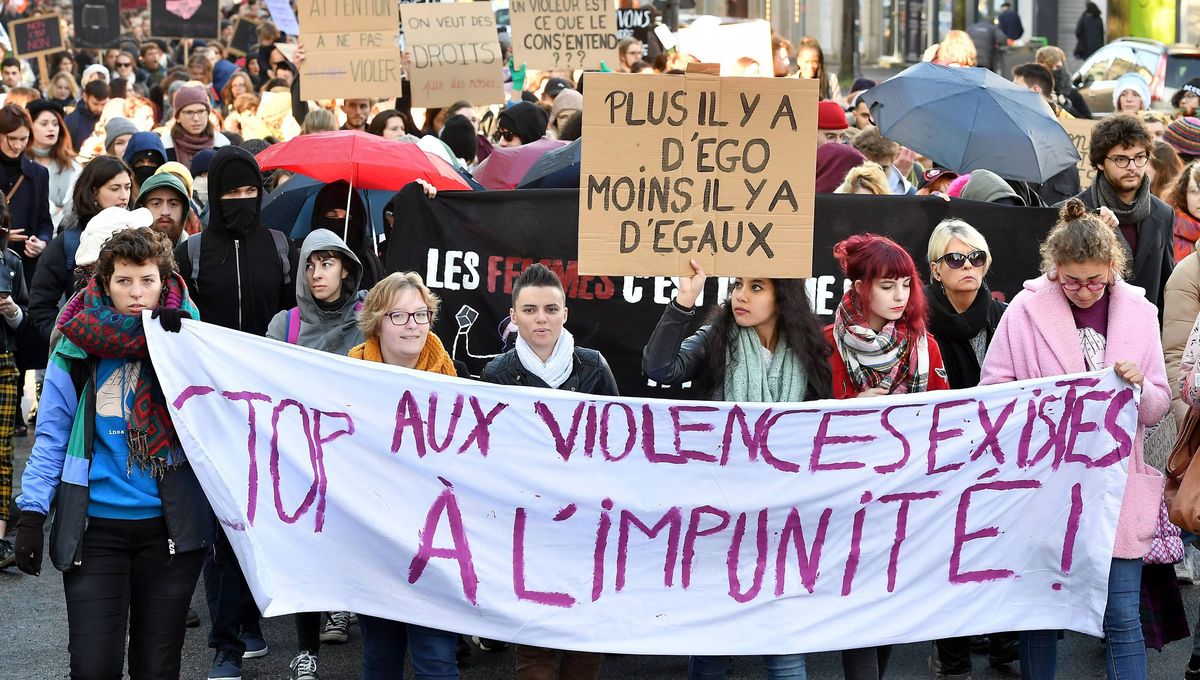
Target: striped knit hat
<point>1183,135</point>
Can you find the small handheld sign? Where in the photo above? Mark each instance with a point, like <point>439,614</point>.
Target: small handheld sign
<point>37,36</point>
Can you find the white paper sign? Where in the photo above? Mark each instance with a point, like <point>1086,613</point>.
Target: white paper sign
<point>649,526</point>
<point>283,16</point>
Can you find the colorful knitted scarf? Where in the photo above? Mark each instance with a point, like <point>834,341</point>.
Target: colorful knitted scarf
<point>90,321</point>
<point>889,358</point>
<point>1187,232</point>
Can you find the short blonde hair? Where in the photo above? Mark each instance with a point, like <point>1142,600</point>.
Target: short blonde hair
<point>1050,56</point>
<point>956,48</point>
<point>1154,117</point>
<point>954,228</point>
<point>379,300</point>
<point>869,176</point>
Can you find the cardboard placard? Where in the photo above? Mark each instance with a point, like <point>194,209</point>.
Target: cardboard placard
<point>283,17</point>
<point>37,36</point>
<point>97,24</point>
<point>185,19</point>
<point>245,35</point>
<point>701,167</point>
<point>1080,130</point>
<point>455,53</point>
<point>563,34</point>
<point>351,49</point>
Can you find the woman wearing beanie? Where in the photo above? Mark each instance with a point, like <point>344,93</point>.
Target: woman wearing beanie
<point>566,104</point>
<point>520,124</point>
<point>1082,316</point>
<point>1131,94</point>
<point>50,147</point>
<point>1186,100</point>
<point>131,523</point>
<point>1183,134</point>
<point>193,130</point>
<point>116,135</point>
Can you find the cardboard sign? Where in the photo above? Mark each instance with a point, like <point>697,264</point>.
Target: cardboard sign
<point>697,166</point>
<point>97,24</point>
<point>563,34</point>
<point>37,36</point>
<point>245,35</point>
<point>351,50</point>
<point>283,16</point>
<point>455,53</point>
<point>185,19</point>
<point>1080,130</point>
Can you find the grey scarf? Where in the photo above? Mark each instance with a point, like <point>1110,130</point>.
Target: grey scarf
<point>1102,194</point>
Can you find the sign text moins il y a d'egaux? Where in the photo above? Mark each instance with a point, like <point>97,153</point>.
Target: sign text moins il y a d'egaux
<point>719,170</point>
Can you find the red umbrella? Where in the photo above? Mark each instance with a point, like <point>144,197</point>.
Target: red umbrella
<point>365,161</point>
<point>506,166</point>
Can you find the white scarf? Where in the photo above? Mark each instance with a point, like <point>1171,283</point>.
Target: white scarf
<point>555,371</point>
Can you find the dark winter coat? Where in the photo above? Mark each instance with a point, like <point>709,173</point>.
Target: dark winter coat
<point>1089,35</point>
<point>590,375</point>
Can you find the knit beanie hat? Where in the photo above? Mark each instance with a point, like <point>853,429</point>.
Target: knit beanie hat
<point>1191,87</point>
<point>831,116</point>
<point>186,96</point>
<point>1132,81</point>
<point>101,228</point>
<point>1183,134</point>
<point>114,128</point>
<point>567,100</point>
<point>201,161</point>
<point>525,120</point>
<point>177,170</point>
<point>833,162</point>
<point>459,135</point>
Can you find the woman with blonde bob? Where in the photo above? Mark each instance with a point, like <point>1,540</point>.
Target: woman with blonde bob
<point>867,178</point>
<point>396,319</point>
<point>1081,316</point>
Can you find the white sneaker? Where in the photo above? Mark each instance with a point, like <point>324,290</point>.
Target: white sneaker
<point>303,667</point>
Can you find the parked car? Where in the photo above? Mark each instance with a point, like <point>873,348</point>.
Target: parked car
<point>1165,67</point>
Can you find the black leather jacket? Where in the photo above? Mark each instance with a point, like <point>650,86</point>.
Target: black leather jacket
<point>590,375</point>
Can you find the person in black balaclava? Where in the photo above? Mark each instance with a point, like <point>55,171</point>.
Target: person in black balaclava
<point>239,275</point>
<point>144,153</point>
<point>237,248</point>
<point>329,212</point>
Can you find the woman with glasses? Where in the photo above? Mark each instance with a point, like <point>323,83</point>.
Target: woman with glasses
<point>193,130</point>
<point>1082,316</point>
<point>396,320</point>
<point>963,317</point>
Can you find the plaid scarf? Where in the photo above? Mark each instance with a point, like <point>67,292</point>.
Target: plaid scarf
<point>90,321</point>
<point>888,358</point>
<point>1187,232</point>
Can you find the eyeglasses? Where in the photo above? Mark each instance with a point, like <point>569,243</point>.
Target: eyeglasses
<point>422,317</point>
<point>1139,160</point>
<point>977,258</point>
<point>197,113</point>
<point>506,135</point>
<point>1094,286</point>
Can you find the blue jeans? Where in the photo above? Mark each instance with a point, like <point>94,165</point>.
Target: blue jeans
<point>779,667</point>
<point>384,643</point>
<point>1125,649</point>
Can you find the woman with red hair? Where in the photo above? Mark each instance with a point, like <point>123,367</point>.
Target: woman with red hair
<point>878,331</point>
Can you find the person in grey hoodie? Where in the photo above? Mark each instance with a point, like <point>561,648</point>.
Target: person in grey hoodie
<point>326,318</point>
<point>988,187</point>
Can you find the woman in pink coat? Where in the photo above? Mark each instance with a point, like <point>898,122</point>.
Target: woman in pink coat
<point>1080,316</point>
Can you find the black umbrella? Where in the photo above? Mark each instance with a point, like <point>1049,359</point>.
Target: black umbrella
<point>555,170</point>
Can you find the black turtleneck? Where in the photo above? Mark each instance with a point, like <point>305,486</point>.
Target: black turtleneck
<point>12,170</point>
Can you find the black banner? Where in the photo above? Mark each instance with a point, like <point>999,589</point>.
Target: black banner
<point>97,23</point>
<point>185,19</point>
<point>471,246</point>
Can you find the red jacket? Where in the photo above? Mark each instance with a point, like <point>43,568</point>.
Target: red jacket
<point>844,388</point>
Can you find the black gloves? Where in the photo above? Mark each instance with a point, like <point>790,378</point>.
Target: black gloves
<point>170,318</point>
<point>30,540</point>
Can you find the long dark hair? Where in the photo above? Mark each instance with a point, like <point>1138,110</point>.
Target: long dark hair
<point>98,172</point>
<point>797,325</point>
<point>822,75</point>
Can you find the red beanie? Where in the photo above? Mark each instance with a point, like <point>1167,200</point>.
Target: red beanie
<point>830,116</point>
<point>186,96</point>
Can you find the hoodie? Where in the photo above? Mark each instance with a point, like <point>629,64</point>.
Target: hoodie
<point>988,187</point>
<point>242,282</point>
<point>326,327</point>
<point>170,181</point>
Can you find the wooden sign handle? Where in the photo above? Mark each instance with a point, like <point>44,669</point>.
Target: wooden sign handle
<point>43,77</point>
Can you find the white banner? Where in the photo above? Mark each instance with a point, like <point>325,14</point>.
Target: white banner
<point>649,526</point>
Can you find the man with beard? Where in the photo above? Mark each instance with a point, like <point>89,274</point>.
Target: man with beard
<point>165,196</point>
<point>1120,152</point>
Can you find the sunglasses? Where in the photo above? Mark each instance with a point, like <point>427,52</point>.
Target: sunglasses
<point>278,64</point>
<point>977,258</point>
<point>506,135</point>
<point>124,64</point>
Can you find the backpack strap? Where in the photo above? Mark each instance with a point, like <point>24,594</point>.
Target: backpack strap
<point>70,246</point>
<point>193,251</point>
<point>293,325</point>
<point>281,247</point>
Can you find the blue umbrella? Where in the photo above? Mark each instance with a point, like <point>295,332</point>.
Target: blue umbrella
<point>289,207</point>
<point>969,119</point>
<point>558,169</point>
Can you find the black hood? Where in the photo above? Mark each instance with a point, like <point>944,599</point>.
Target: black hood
<point>333,196</point>
<point>232,167</point>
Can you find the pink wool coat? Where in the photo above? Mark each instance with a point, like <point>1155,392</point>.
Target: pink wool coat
<point>1037,338</point>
